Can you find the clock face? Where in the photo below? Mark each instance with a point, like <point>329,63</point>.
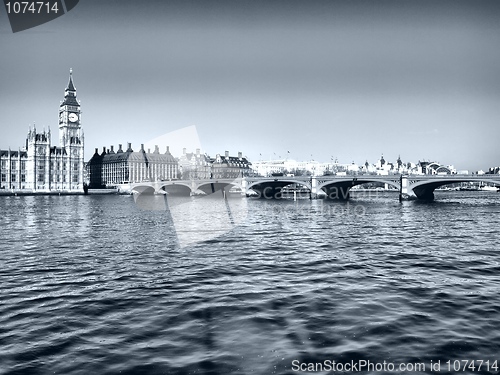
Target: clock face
<point>40,150</point>
<point>73,117</point>
<point>75,152</point>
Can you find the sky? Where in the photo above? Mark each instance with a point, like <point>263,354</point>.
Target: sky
<point>321,80</point>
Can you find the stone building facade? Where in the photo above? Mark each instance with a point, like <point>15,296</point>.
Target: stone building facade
<point>226,166</point>
<point>195,165</point>
<point>111,168</point>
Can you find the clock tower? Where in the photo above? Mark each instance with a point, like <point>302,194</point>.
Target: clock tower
<point>70,130</point>
<point>71,137</point>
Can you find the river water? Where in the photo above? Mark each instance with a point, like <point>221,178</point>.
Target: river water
<point>113,285</point>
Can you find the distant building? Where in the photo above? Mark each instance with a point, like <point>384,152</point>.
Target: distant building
<point>196,166</point>
<point>268,167</point>
<point>43,167</point>
<point>225,166</point>
<point>291,167</point>
<point>435,168</point>
<point>494,170</point>
<point>112,168</point>
<point>200,166</point>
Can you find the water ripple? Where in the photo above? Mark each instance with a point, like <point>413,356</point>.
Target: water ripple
<point>96,285</point>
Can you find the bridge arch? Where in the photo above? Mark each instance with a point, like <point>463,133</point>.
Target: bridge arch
<point>271,188</point>
<point>286,182</point>
<point>210,187</point>
<point>424,189</point>
<point>171,183</point>
<point>339,189</point>
<point>175,187</point>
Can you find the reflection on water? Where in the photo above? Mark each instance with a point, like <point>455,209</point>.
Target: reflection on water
<point>197,219</point>
<point>28,217</point>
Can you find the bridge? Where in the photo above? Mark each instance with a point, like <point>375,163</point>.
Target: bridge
<point>184,187</point>
<point>332,187</point>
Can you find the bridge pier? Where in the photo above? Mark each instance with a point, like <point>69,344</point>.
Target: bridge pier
<point>405,191</point>
<point>244,187</point>
<point>403,188</point>
<point>314,188</point>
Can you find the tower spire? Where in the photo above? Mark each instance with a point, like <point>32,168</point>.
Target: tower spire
<point>71,87</point>
<point>70,92</point>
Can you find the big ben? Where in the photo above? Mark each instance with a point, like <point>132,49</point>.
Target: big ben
<point>69,116</point>
<point>71,135</point>
<point>41,167</point>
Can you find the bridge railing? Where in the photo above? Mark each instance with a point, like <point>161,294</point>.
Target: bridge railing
<point>328,177</point>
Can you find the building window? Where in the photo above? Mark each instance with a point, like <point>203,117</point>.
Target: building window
<point>40,177</point>
<point>4,177</point>
<point>13,164</point>
<point>64,166</point>
<point>4,164</point>
<point>75,166</point>
<point>75,178</point>
<point>41,167</point>
<point>23,165</point>
<point>13,178</point>
<point>64,178</point>
<point>23,178</point>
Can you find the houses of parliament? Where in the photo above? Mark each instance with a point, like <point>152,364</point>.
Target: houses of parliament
<point>41,167</point>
